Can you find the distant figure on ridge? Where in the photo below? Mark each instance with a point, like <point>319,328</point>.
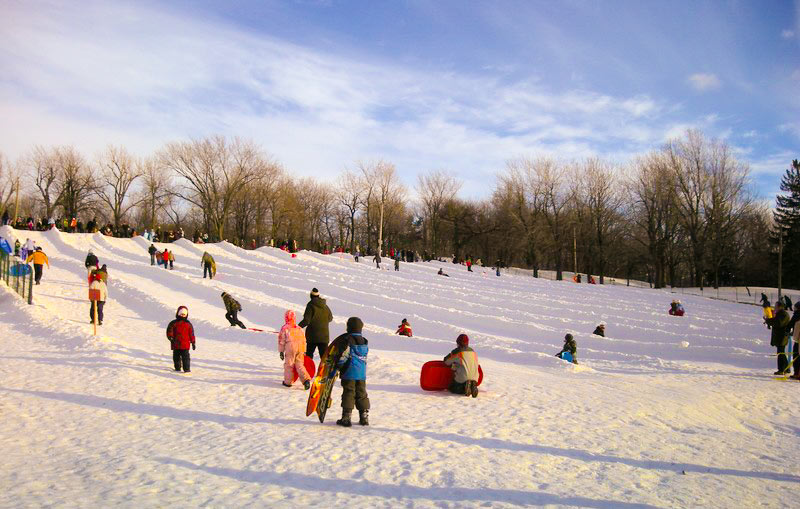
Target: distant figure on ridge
<point>600,330</point>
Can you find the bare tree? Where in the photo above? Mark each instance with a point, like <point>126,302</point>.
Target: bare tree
<point>118,171</point>
<point>214,172</point>
<point>350,188</point>
<point>382,184</point>
<point>154,192</point>
<point>435,189</point>
<point>45,171</point>
<point>551,180</point>
<point>597,192</point>
<point>9,180</point>
<point>519,195</point>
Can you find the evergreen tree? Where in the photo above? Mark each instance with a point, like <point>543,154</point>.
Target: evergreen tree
<point>787,220</point>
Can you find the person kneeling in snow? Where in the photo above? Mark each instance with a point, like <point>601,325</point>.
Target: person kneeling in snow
<point>570,350</point>
<point>292,347</point>
<point>464,362</point>
<point>353,368</point>
<point>676,308</point>
<point>600,330</point>
<point>181,336</point>
<point>404,329</point>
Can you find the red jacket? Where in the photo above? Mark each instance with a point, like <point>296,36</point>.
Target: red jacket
<point>180,334</point>
<point>404,330</point>
<point>165,255</point>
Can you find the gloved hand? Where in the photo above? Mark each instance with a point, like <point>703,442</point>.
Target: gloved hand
<point>282,356</point>
<point>194,347</point>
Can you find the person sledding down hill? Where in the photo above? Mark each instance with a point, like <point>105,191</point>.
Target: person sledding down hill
<point>292,348</point>
<point>232,308</point>
<point>570,350</point>
<point>676,308</point>
<point>404,329</point>
<point>464,362</point>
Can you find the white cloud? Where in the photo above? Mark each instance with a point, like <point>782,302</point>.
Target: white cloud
<point>138,77</point>
<point>787,34</point>
<point>704,81</point>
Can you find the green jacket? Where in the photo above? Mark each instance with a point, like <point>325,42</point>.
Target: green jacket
<point>780,328</point>
<point>316,319</point>
<point>231,304</point>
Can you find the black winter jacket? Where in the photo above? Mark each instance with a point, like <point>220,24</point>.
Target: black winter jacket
<point>780,328</point>
<point>316,319</point>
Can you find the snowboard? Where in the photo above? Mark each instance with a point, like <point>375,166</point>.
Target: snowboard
<point>436,376</point>
<point>321,386</point>
<point>308,362</point>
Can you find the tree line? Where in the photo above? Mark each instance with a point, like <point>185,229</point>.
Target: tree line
<point>684,214</point>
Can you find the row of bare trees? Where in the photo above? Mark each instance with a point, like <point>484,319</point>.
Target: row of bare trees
<point>681,214</point>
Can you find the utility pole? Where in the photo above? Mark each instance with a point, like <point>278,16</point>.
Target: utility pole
<point>380,233</point>
<point>780,259</point>
<point>16,206</point>
<point>574,251</point>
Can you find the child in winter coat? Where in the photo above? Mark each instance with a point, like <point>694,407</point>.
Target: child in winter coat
<point>464,362</point>
<point>165,258</point>
<point>353,368</point>
<point>181,336</point>
<point>292,347</point>
<point>600,330</point>
<point>571,348</point>
<point>232,308</point>
<point>676,308</point>
<point>97,283</point>
<point>404,329</point>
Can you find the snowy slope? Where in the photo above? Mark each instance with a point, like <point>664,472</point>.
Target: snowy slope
<point>643,421</point>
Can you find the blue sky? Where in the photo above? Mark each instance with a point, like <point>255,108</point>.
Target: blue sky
<point>457,85</point>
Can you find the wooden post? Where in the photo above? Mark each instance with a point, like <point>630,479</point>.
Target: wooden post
<point>94,305</point>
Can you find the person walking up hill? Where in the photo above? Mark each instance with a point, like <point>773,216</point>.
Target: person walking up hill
<point>209,266</point>
<point>232,307</point>
<point>38,258</point>
<point>316,318</point>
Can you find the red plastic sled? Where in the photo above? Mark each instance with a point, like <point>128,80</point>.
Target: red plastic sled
<point>308,362</point>
<point>436,376</point>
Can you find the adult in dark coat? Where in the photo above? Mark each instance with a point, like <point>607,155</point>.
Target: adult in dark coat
<point>780,335</point>
<point>316,319</point>
<point>232,308</point>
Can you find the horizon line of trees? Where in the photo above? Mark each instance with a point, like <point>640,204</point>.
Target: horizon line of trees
<point>684,214</point>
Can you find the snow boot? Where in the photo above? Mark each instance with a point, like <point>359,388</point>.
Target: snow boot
<point>307,384</point>
<point>363,417</point>
<point>474,389</point>
<point>286,385</point>
<point>345,420</point>
<point>468,388</point>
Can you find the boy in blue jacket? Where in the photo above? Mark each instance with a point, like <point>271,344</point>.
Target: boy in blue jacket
<point>353,368</point>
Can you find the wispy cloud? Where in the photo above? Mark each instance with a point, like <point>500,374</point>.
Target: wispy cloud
<point>787,34</point>
<point>704,81</point>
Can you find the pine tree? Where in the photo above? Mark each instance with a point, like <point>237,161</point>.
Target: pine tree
<point>787,220</point>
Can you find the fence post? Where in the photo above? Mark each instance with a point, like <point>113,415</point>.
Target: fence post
<point>30,288</point>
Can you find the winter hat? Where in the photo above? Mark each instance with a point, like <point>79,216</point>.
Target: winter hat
<point>183,312</point>
<point>354,324</point>
<point>568,337</point>
<point>462,340</point>
<point>777,304</point>
<point>314,292</point>
<point>289,316</point>
<point>602,324</point>
<point>406,321</point>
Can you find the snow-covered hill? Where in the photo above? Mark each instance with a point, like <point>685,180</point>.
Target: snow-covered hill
<point>643,421</point>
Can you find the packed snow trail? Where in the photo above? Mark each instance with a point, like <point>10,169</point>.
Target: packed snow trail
<point>643,421</point>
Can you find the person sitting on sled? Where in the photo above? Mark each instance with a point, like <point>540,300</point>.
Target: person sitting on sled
<point>404,329</point>
<point>570,350</point>
<point>292,348</point>
<point>676,308</point>
<point>464,362</point>
<point>600,330</point>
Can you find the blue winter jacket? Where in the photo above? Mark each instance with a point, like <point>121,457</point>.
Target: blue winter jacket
<point>353,362</point>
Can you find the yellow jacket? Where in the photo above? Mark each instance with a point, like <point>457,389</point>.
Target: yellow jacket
<point>39,258</point>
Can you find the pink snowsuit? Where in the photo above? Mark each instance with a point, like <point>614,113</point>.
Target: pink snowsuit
<point>292,342</point>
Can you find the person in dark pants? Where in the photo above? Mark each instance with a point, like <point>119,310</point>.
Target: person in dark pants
<point>779,338</point>
<point>180,333</point>
<point>165,258</point>
<point>209,267</point>
<point>316,318</point>
<point>796,338</point>
<point>152,250</point>
<point>99,285</point>
<point>397,263</point>
<point>232,308</point>
<point>353,368</point>
<point>39,259</point>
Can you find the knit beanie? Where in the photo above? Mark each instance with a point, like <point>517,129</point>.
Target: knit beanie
<point>314,292</point>
<point>354,324</point>
<point>568,337</point>
<point>462,340</point>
